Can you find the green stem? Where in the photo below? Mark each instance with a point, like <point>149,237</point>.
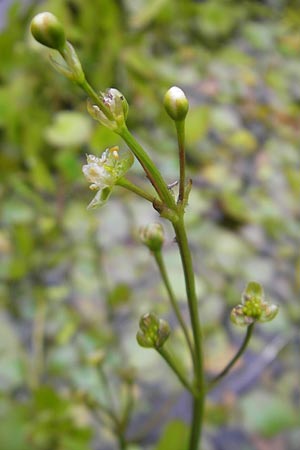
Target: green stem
<point>232,362</point>
<point>128,408</point>
<point>96,98</point>
<point>108,390</point>
<point>136,189</point>
<point>164,275</point>
<point>174,366</point>
<point>122,442</point>
<point>149,167</point>
<point>199,383</point>
<point>98,408</point>
<point>196,425</point>
<point>181,149</point>
<point>38,340</point>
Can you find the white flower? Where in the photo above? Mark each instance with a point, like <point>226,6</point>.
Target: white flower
<point>104,172</point>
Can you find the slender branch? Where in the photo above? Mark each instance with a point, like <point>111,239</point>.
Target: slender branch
<point>174,366</point>
<point>153,421</point>
<point>108,390</point>
<point>164,275</point>
<point>232,362</point>
<point>149,167</point>
<point>180,125</point>
<point>115,425</point>
<point>38,341</point>
<point>199,398</point>
<point>97,98</point>
<point>186,259</point>
<point>99,407</point>
<point>136,189</point>
<point>128,407</point>
<point>122,442</point>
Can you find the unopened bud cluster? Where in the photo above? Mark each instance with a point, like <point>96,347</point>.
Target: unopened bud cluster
<point>153,331</point>
<point>152,236</point>
<point>253,308</point>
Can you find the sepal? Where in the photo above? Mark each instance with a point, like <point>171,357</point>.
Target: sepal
<point>253,307</point>
<point>153,331</point>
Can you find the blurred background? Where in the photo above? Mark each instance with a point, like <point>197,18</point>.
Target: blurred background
<point>73,283</point>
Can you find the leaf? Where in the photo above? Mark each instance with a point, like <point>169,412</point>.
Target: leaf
<point>120,295</point>
<point>268,414</point>
<point>149,12</point>
<point>69,128</point>
<point>175,436</point>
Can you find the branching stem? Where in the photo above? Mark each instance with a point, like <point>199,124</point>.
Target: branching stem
<point>199,384</point>
<point>175,368</point>
<point>137,190</point>
<point>232,362</point>
<point>149,167</point>
<point>164,275</point>
<point>180,125</point>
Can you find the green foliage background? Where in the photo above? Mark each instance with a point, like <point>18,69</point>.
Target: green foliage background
<point>72,281</point>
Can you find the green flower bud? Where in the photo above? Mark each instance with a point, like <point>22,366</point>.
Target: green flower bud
<point>152,236</point>
<point>176,104</point>
<point>116,103</point>
<point>47,30</point>
<point>153,331</point>
<point>253,308</point>
<point>68,64</point>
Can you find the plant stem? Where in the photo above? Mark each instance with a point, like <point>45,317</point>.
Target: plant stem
<point>164,275</point>
<point>38,340</point>
<point>122,442</point>
<point>174,366</point>
<point>136,189</point>
<point>180,139</point>
<point>232,362</point>
<point>149,167</point>
<point>108,390</point>
<point>199,398</point>
<point>97,98</point>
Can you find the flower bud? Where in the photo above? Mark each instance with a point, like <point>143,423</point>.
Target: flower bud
<point>117,105</point>
<point>176,104</point>
<point>68,64</point>
<point>254,307</point>
<point>47,30</point>
<point>152,236</point>
<point>153,331</point>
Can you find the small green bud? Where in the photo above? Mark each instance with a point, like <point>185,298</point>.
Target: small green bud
<point>152,236</point>
<point>254,307</point>
<point>68,64</point>
<point>153,331</point>
<point>47,30</point>
<point>117,105</point>
<point>176,103</point>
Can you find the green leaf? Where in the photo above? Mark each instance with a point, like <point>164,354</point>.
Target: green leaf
<point>175,436</point>
<point>119,295</point>
<point>69,128</point>
<point>268,414</point>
